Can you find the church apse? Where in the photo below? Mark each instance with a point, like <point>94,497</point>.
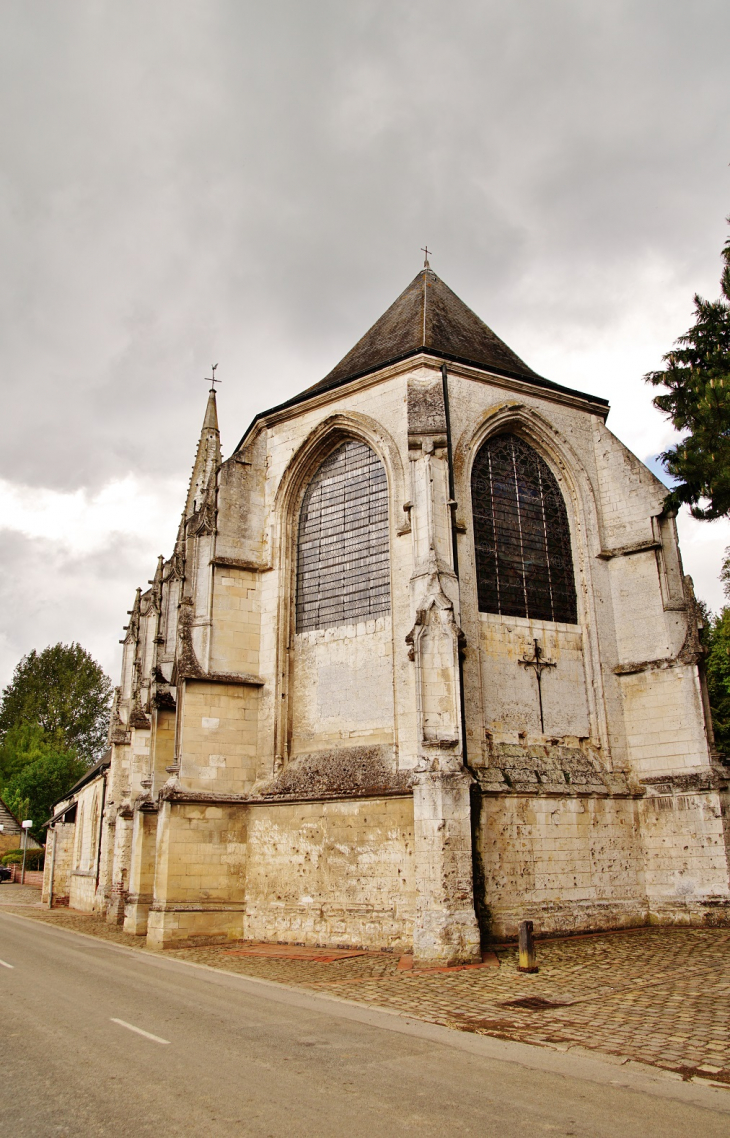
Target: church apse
<point>423,650</point>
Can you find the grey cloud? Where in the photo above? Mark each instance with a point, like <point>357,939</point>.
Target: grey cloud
<point>47,595</point>
<point>190,182</point>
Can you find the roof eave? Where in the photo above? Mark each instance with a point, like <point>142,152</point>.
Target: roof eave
<point>312,393</point>
<point>88,776</point>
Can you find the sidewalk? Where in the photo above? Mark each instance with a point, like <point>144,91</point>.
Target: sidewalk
<point>659,996</point>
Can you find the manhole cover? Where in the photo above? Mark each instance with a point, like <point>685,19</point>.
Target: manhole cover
<point>535,1003</point>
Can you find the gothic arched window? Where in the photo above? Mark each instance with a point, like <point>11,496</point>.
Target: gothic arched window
<point>343,569</point>
<point>79,836</point>
<point>521,534</point>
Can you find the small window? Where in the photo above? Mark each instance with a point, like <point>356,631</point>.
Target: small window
<point>521,533</point>
<point>343,564</point>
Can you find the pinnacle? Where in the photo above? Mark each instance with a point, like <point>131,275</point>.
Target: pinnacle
<point>210,422</point>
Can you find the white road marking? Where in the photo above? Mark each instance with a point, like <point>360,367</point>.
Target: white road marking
<point>146,1034</point>
<point>6,965</point>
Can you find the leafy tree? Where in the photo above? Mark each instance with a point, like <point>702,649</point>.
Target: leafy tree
<point>63,691</point>
<point>20,807</point>
<point>716,638</point>
<point>33,790</point>
<point>697,375</point>
<point>23,744</point>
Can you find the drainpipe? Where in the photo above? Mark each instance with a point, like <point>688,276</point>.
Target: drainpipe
<point>475,803</point>
<point>454,546</point>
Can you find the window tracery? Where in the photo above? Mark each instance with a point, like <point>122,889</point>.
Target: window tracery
<point>343,564</point>
<point>521,534</point>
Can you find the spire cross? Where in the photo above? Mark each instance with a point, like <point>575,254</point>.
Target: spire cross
<point>425,249</point>
<point>212,378</point>
<point>537,662</point>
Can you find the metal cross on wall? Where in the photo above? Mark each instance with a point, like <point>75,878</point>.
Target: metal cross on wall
<point>538,662</point>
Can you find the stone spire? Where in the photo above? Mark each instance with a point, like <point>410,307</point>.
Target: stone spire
<point>207,458</point>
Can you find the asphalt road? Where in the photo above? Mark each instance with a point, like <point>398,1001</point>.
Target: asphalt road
<point>224,1055</point>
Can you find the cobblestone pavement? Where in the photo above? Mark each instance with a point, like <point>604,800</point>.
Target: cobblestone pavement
<point>659,996</point>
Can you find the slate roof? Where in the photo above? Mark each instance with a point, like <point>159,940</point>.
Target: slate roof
<point>9,821</point>
<point>90,774</point>
<point>428,317</point>
<point>69,797</point>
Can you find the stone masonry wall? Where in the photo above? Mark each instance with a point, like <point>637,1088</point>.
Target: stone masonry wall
<point>235,643</point>
<point>342,686</point>
<point>685,857</point>
<point>664,724</point>
<point>59,863</point>
<point>564,838</point>
<point>568,864</point>
<point>332,873</point>
<point>219,736</point>
<point>199,876</point>
<point>510,689</point>
<point>82,890</point>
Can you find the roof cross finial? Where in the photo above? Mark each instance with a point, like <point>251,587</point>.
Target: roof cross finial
<point>425,249</point>
<point>211,379</point>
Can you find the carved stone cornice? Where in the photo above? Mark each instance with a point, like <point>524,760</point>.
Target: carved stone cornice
<point>245,679</point>
<point>695,782</point>
<point>629,550</point>
<point>241,563</point>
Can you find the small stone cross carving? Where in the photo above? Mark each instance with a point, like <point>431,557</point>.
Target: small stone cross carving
<point>539,663</point>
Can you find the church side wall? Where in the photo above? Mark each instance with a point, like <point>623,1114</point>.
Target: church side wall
<point>337,873</point>
<point>83,890</point>
<point>59,863</point>
<point>643,630</point>
<point>142,872</point>
<point>82,880</point>
<point>342,687</point>
<point>664,721</point>
<point>163,744</point>
<point>218,736</point>
<point>568,864</point>
<point>200,872</point>
<point>510,695</point>
<point>686,856</point>
<point>140,755</point>
<point>236,622</point>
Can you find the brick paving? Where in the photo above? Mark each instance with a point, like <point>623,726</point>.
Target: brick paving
<point>659,996</point>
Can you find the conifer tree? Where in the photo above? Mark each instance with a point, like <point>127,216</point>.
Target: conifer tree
<point>697,375</point>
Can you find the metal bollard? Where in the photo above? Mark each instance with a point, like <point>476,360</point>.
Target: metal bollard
<point>527,957</point>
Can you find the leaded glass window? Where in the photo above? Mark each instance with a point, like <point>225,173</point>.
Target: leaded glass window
<point>521,534</point>
<point>343,564</point>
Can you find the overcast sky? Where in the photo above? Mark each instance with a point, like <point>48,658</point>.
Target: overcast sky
<point>186,182</point>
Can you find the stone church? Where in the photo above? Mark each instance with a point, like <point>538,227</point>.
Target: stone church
<point>423,663</point>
